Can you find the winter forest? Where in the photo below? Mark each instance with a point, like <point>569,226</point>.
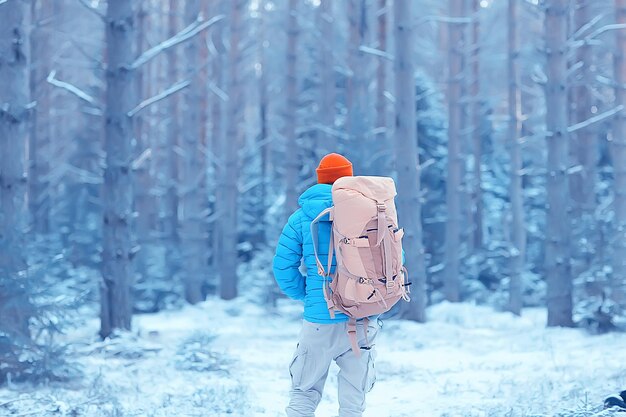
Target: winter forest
<point>151,152</point>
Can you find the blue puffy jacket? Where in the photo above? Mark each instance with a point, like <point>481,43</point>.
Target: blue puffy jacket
<point>296,243</point>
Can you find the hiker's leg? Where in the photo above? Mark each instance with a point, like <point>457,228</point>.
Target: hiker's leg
<point>309,369</point>
<point>356,376</point>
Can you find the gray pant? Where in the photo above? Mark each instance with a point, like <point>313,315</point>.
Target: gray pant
<point>319,345</point>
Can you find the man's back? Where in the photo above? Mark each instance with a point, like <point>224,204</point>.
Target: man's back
<point>296,243</point>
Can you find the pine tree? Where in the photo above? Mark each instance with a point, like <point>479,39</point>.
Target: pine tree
<point>408,176</point>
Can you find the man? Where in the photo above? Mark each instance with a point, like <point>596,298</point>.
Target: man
<point>322,338</point>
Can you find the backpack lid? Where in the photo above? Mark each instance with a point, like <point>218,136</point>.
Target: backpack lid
<point>377,188</point>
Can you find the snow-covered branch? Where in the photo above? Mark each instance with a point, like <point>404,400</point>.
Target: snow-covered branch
<point>591,38</point>
<point>71,88</point>
<point>574,68</point>
<point>445,19</point>
<point>139,161</point>
<point>218,91</point>
<point>162,95</point>
<point>595,119</point>
<point>588,25</point>
<point>185,34</point>
<point>377,52</point>
<point>606,28</point>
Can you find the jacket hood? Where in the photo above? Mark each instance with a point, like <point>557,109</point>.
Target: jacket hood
<point>316,199</point>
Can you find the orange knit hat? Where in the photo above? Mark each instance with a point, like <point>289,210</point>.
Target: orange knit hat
<point>332,167</point>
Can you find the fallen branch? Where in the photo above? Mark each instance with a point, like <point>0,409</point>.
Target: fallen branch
<point>595,119</point>
<point>15,399</point>
<point>71,88</point>
<point>185,34</point>
<point>162,95</point>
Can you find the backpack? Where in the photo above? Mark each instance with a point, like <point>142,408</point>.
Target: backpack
<point>370,277</point>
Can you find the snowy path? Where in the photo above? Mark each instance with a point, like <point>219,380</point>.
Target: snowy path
<point>467,361</point>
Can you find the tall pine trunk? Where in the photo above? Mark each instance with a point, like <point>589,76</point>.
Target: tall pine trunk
<point>167,177</point>
<point>292,160</point>
<point>15,108</point>
<point>559,282</point>
<point>381,161</point>
<point>232,143</point>
<point>455,160</point>
<point>476,116</point>
<point>218,126</point>
<point>358,123</point>
<point>192,173</point>
<point>584,149</point>
<point>407,162</point>
<point>517,252</point>
<point>118,185</point>
<point>327,76</point>
<point>39,145</point>
<point>618,150</point>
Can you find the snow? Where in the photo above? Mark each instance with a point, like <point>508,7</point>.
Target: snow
<point>223,358</point>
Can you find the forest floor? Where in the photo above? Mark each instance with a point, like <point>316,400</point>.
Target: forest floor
<point>230,359</point>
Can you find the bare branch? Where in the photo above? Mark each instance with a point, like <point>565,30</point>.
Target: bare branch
<point>218,91</point>
<point>389,96</point>
<point>588,25</point>
<point>595,119</point>
<point>139,161</point>
<point>606,28</point>
<point>444,19</point>
<point>71,88</point>
<point>185,34</point>
<point>92,10</point>
<point>574,68</point>
<point>164,94</point>
<point>377,52</point>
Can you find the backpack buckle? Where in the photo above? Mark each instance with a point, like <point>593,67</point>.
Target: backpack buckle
<point>381,207</point>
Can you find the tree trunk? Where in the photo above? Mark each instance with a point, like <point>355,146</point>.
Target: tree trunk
<point>326,23</point>
<point>15,109</point>
<point>381,160</point>
<point>166,160</point>
<point>517,251</point>
<point>586,143</point>
<point>559,282</point>
<point>407,162</point>
<point>233,141</point>
<point>292,160</point>
<point>618,150</point>
<point>218,126</point>
<point>192,175</point>
<point>118,185</point>
<point>455,161</point>
<point>143,201</point>
<point>358,123</point>
<point>263,139</point>
<point>476,115</point>
<point>39,145</point>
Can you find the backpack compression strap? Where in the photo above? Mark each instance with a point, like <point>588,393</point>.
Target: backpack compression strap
<point>352,335</point>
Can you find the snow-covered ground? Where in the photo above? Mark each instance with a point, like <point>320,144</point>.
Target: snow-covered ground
<point>230,359</point>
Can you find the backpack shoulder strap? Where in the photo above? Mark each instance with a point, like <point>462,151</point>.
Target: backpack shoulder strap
<point>314,236</point>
